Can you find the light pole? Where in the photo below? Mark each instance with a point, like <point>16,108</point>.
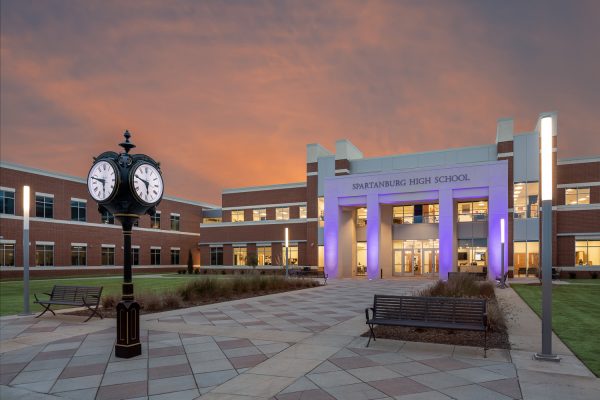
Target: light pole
<point>502,277</point>
<point>26,207</point>
<point>286,252</point>
<point>546,175</point>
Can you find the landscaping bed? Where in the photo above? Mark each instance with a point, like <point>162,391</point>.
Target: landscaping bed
<point>205,290</point>
<point>461,286</point>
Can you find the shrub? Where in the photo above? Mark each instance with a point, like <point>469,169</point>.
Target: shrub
<point>109,301</point>
<point>594,275</point>
<point>197,271</point>
<point>572,275</point>
<point>171,300</point>
<point>149,301</point>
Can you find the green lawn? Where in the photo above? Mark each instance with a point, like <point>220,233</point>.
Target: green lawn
<point>575,316</point>
<point>11,292</point>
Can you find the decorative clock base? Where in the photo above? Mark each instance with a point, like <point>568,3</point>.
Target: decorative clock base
<point>128,329</point>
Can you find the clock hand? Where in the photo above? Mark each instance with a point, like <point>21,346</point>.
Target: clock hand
<point>99,180</point>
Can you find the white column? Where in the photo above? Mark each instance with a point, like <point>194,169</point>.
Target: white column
<point>373,235</point>
<point>447,233</point>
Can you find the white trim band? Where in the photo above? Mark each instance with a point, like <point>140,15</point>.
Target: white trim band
<point>342,171</point>
<point>78,244</point>
<point>263,206</point>
<point>577,207</point>
<point>108,246</point>
<point>576,234</point>
<point>577,185</point>
<point>7,189</point>
<point>267,187</point>
<point>79,200</point>
<point>8,241</point>
<point>312,174</point>
<point>44,194</point>
<point>578,160</point>
<point>266,222</point>
<point>135,246</point>
<point>43,243</point>
<point>175,248</point>
<point>508,154</point>
<point>221,244</point>
<point>155,248</point>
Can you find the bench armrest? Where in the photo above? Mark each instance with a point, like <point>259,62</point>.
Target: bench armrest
<point>485,320</point>
<point>367,312</point>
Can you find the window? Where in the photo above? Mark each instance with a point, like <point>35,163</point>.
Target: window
<point>264,255</point>
<point>575,196</point>
<point>155,256</point>
<point>292,254</point>
<point>239,255</point>
<point>472,254</point>
<point>416,214</point>
<point>43,206</point>
<point>7,201</point>
<point>321,211</point>
<point>78,254</point>
<point>302,212</point>
<point>107,217</point>
<point>473,211</point>
<point>403,214</point>
<point>282,213</point>
<point>77,211</point>
<point>174,256</point>
<point>259,214</point>
<point>525,198</point>
<point>136,222</point>
<point>44,255</point>
<point>7,254</point>
<point>237,216</point>
<point>587,252</point>
<point>135,256</point>
<point>361,217</point>
<point>174,222</point>
<point>155,220</point>
<point>216,256</point>
<point>212,220</point>
<point>526,258</point>
<point>108,255</point>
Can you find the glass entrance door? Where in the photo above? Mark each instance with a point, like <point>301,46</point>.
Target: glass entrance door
<point>397,262</point>
<point>416,257</point>
<point>431,260</point>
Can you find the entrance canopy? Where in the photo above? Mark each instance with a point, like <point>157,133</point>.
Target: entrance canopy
<point>380,192</point>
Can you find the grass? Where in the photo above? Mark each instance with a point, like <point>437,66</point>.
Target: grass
<point>11,292</point>
<point>575,316</point>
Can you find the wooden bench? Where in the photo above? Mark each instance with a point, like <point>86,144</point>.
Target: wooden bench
<point>308,271</point>
<point>81,296</point>
<point>428,312</point>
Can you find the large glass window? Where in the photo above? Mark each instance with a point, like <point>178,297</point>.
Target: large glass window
<point>361,258</point>
<point>135,256</point>
<point>175,256</point>
<point>108,255</point>
<point>587,253</point>
<point>155,220</point>
<point>361,217</point>
<point>77,210</point>
<point>321,211</point>
<point>212,220</point>
<point>155,256</point>
<point>107,217</point>
<point>7,254</point>
<point>575,196</point>
<point>44,205</point>
<point>216,256</point>
<point>264,255</point>
<point>526,258</point>
<point>292,254</point>
<point>473,211</point>
<point>282,213</point>
<point>403,214</point>
<point>175,222</point>
<point>78,255</point>
<point>44,255</point>
<point>239,255</point>
<point>302,212</point>
<point>525,198</point>
<point>259,214</point>
<point>472,254</point>
<point>7,201</point>
<point>237,215</point>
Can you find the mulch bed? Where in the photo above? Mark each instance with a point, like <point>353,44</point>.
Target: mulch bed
<point>496,340</point>
<point>112,313</point>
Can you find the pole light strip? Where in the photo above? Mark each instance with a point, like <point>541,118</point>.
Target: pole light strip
<point>546,149</point>
<point>26,207</point>
<point>502,231</point>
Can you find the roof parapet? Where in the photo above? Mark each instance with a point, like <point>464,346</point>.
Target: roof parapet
<point>505,128</point>
<point>345,150</point>
<point>314,151</point>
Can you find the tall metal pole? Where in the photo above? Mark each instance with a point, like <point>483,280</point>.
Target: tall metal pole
<point>26,198</point>
<point>502,277</point>
<point>547,189</point>
<point>287,252</point>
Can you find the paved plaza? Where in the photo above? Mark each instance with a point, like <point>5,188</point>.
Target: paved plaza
<point>296,345</point>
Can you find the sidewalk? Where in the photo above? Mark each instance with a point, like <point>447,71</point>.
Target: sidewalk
<point>568,379</point>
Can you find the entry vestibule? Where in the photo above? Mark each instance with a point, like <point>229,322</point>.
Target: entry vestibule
<point>430,247</point>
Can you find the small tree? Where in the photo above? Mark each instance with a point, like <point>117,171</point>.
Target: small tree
<point>190,264</point>
<point>252,260</point>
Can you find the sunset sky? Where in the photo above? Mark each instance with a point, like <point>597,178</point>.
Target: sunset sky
<point>228,93</point>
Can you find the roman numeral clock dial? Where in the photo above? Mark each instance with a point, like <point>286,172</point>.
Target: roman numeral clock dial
<point>102,181</point>
<point>147,183</point>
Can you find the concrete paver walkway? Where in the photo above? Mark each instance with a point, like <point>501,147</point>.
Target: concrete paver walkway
<point>295,345</point>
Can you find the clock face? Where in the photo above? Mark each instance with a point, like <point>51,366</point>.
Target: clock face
<point>147,183</point>
<point>102,180</point>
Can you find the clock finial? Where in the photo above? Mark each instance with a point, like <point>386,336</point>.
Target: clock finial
<point>127,145</point>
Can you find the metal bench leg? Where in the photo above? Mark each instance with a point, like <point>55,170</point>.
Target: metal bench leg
<point>485,344</point>
<point>47,308</point>
<point>371,335</point>
<point>94,312</point>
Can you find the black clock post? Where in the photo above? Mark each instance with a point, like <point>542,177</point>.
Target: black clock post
<point>127,191</point>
